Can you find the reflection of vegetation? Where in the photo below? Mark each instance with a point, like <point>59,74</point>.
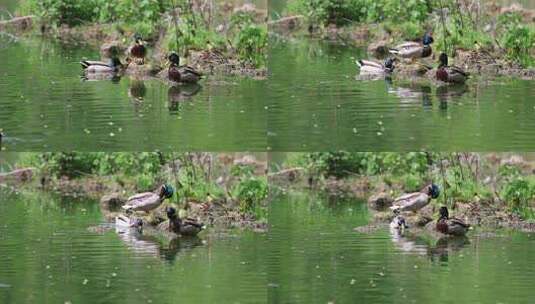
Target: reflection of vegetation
<point>464,177</point>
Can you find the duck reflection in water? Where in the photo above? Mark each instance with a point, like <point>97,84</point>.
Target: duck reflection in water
<point>113,77</point>
<point>449,93</point>
<point>149,243</point>
<point>137,90</point>
<point>410,93</point>
<point>445,246</point>
<point>436,249</point>
<point>180,93</point>
<point>409,243</point>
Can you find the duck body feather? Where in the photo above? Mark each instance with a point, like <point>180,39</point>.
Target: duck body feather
<point>412,50</point>
<point>373,67</point>
<point>191,227</point>
<point>411,202</point>
<point>94,66</point>
<point>452,226</point>
<point>146,201</point>
<point>451,74</point>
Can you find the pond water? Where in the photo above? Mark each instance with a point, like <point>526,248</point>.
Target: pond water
<point>316,103</point>
<point>47,106</point>
<point>316,257</point>
<point>51,252</point>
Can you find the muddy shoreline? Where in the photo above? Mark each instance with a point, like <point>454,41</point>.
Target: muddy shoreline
<point>377,40</point>
<point>104,36</point>
<point>218,214</point>
<point>484,215</point>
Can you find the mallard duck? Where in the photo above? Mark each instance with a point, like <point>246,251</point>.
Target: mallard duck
<point>113,66</point>
<point>450,226</point>
<point>450,74</point>
<point>148,201</point>
<point>184,74</point>
<point>187,227</point>
<point>138,51</point>
<point>417,200</point>
<point>398,222</point>
<point>373,67</point>
<point>414,49</point>
<point>124,222</point>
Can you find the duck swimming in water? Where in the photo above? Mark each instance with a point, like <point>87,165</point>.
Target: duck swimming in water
<point>114,65</point>
<point>417,200</point>
<point>413,49</point>
<point>398,223</point>
<point>450,74</point>
<point>370,67</point>
<point>148,201</point>
<point>124,222</point>
<point>450,226</point>
<point>182,74</point>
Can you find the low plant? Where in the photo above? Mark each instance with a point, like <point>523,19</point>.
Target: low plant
<point>519,194</point>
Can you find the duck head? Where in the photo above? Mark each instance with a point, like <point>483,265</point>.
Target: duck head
<point>138,224</point>
<point>137,38</point>
<point>166,191</point>
<point>389,64</point>
<point>443,59</point>
<point>427,39</point>
<point>401,223</point>
<point>174,59</point>
<point>443,211</point>
<point>433,190</point>
<point>115,62</point>
<point>171,213</point>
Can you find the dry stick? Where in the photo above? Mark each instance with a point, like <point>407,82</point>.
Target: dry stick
<point>443,173</point>
<point>444,30</point>
<point>177,31</point>
<point>460,14</point>
<point>175,174</point>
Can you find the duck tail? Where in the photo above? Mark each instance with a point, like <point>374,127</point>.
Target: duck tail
<point>127,208</point>
<point>359,62</point>
<point>84,64</point>
<point>393,51</point>
<point>394,208</point>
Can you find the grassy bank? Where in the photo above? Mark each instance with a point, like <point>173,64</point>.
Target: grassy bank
<point>503,182</point>
<point>234,183</point>
<point>228,31</point>
<point>483,27</point>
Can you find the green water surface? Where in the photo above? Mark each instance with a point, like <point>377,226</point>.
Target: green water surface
<point>59,250</point>
<point>316,257</point>
<point>318,102</point>
<point>46,106</point>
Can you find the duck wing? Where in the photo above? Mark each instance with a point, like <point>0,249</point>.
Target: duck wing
<point>188,69</point>
<point>371,63</point>
<point>408,45</point>
<point>410,202</point>
<point>457,221</point>
<point>141,200</point>
<point>87,63</point>
<point>193,222</point>
<point>455,69</point>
